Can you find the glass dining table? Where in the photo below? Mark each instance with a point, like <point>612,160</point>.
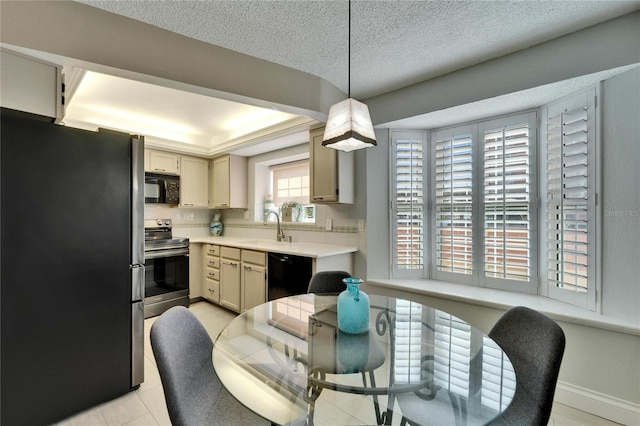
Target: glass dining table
<point>287,361</point>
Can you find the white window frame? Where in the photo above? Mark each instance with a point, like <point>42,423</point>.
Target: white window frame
<point>423,270</point>
<point>531,286</point>
<point>279,168</point>
<point>477,275</point>
<point>470,279</point>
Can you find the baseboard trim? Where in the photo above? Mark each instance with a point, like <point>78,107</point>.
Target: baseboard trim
<point>598,404</point>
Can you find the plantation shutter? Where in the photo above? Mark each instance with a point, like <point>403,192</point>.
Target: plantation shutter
<point>409,201</point>
<point>507,192</point>
<point>453,204</point>
<point>570,200</point>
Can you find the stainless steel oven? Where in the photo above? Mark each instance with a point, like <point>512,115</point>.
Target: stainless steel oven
<point>166,267</point>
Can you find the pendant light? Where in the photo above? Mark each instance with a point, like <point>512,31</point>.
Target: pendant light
<point>349,124</point>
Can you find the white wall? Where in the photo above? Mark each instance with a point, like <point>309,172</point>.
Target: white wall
<point>621,196</point>
<point>601,47</point>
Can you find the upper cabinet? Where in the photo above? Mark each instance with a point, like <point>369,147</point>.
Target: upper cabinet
<point>228,182</point>
<point>31,85</point>
<point>332,172</point>
<point>161,162</point>
<point>194,182</point>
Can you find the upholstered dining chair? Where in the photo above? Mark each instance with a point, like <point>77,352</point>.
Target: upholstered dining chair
<point>328,282</point>
<point>193,392</point>
<point>535,345</point>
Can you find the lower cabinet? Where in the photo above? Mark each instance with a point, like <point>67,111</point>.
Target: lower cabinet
<point>254,279</point>
<point>211,276</point>
<point>238,278</point>
<point>230,278</point>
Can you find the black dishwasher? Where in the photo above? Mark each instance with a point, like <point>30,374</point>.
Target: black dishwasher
<point>288,275</point>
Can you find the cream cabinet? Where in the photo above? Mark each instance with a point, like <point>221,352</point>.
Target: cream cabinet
<point>211,276</point>
<point>194,182</point>
<point>332,172</point>
<point>161,162</point>
<point>253,279</point>
<point>31,85</point>
<point>230,278</point>
<point>228,182</point>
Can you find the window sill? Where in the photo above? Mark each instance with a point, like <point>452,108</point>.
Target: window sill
<point>505,300</point>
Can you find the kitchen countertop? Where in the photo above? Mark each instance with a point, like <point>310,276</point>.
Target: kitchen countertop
<point>296,248</point>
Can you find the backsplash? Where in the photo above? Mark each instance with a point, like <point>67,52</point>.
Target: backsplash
<point>195,223</point>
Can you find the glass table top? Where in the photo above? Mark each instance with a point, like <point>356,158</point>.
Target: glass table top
<point>287,361</point>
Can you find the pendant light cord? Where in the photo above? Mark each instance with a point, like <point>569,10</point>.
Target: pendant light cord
<point>349,54</point>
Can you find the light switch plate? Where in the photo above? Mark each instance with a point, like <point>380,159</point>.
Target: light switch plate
<point>328,225</point>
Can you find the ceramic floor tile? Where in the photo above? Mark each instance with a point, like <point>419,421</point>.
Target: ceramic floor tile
<point>124,409</point>
<point>154,400</point>
<point>145,420</point>
<point>91,417</point>
<point>151,376</point>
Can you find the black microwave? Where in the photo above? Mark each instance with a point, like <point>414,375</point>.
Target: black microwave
<point>161,189</point>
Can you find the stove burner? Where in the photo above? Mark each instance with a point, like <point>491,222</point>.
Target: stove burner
<point>158,236</point>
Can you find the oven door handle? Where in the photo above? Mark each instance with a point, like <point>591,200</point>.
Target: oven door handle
<point>166,253</point>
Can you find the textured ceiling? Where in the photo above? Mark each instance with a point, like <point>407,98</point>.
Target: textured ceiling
<point>394,43</point>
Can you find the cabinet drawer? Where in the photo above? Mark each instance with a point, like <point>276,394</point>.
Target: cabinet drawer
<point>230,253</point>
<point>212,262</point>
<point>255,257</point>
<point>213,274</point>
<point>213,250</point>
<point>212,290</point>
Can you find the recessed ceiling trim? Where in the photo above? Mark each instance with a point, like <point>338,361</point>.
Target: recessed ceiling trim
<point>264,135</point>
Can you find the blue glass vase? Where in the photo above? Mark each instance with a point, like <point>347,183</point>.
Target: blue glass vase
<point>353,308</point>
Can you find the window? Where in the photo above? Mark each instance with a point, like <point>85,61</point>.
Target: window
<point>291,182</point>
<point>508,204</point>
<point>290,191</point>
<point>453,203</point>
<point>410,206</point>
<point>470,207</point>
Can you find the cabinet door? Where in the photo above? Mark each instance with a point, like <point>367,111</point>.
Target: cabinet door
<point>221,183</point>
<point>163,162</point>
<point>324,169</point>
<point>31,85</point>
<point>230,284</point>
<point>194,185</point>
<point>254,280</point>
<point>211,290</point>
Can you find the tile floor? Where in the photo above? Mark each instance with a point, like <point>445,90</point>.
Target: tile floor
<point>146,405</point>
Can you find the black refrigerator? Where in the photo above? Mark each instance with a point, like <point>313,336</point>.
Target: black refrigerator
<point>71,271</point>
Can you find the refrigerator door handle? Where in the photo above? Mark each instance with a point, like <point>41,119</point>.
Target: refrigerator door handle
<point>137,199</point>
<point>137,282</point>
<point>137,343</point>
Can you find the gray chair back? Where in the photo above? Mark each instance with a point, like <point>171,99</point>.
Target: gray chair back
<point>193,392</point>
<point>535,345</point>
<point>328,282</point>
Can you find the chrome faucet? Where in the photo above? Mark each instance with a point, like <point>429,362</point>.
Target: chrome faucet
<point>279,232</point>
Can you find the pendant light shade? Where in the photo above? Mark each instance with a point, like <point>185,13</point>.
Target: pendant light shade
<point>349,126</point>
